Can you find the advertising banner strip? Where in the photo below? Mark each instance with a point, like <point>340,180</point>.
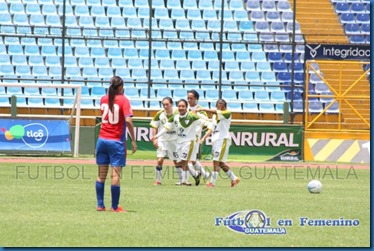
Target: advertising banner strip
<point>34,135</point>
<point>337,52</point>
<point>279,142</point>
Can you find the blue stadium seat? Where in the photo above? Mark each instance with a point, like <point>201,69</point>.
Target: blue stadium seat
<point>49,9</point>
<point>263,66</point>
<point>16,8</point>
<point>178,13</point>
<point>257,15</point>
<point>4,8</point>
<point>209,14</point>
<point>347,18</point>
<point>258,56</point>
<point>203,75</point>
<point>19,60</point>
<point>280,67</point>
<point>253,5</point>
<point>245,95</point>
<point>266,108</point>
<point>180,64</point>
<point>284,6</point>
<point>342,7</point>
<point>98,11</point>
<point>273,16</point>
<point>363,18</point>
<point>243,56</point>
<point>250,107</point>
<point>190,4</point>
<point>315,106</point>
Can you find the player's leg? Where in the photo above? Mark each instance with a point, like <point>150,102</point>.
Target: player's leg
<point>161,154</point>
<point>192,158</point>
<point>234,180</point>
<point>215,173</point>
<point>117,161</point>
<point>222,162</point>
<point>102,160</point>
<point>185,153</point>
<point>160,161</point>
<point>172,154</point>
<point>100,186</point>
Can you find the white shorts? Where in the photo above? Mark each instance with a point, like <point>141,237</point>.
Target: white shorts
<point>167,149</point>
<point>187,151</point>
<point>220,149</point>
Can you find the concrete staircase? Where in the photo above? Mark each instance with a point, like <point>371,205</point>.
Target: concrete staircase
<point>318,21</point>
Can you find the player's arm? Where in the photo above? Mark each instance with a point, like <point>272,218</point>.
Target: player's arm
<point>127,112</point>
<point>154,125</point>
<point>130,127</point>
<point>167,127</point>
<point>207,110</point>
<point>209,126</point>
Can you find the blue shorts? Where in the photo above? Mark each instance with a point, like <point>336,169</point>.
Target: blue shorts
<point>111,152</point>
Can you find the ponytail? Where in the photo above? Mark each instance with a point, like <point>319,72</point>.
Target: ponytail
<point>115,82</point>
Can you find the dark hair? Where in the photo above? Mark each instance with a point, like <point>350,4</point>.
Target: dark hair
<point>223,101</point>
<point>184,101</point>
<point>115,82</point>
<point>195,93</point>
<point>167,98</point>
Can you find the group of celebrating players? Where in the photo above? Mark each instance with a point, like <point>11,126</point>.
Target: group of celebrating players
<point>177,135</point>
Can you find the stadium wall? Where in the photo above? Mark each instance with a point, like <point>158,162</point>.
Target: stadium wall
<point>349,147</point>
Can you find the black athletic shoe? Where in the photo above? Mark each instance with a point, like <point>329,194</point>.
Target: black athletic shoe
<point>197,178</point>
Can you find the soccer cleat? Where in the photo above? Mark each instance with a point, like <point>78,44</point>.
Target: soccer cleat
<point>197,178</point>
<point>186,184</point>
<point>235,182</point>
<point>178,184</point>
<point>100,209</point>
<point>210,185</point>
<point>118,210</point>
<point>157,183</point>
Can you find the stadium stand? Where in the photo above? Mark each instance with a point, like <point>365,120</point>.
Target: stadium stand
<point>185,48</point>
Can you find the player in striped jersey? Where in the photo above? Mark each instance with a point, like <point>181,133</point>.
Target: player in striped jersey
<point>221,141</point>
<point>166,144</point>
<point>195,166</point>
<point>186,124</point>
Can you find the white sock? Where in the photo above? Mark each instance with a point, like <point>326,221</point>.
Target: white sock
<point>213,178</point>
<point>192,170</point>
<point>159,173</point>
<point>185,176</point>
<point>179,172</point>
<point>231,175</point>
<point>200,168</point>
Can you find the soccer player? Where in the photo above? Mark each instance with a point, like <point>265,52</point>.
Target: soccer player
<point>116,116</point>
<point>186,124</point>
<point>195,166</point>
<point>221,141</point>
<point>166,144</point>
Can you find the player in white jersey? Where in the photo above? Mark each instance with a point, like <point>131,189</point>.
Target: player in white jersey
<point>221,141</point>
<point>166,145</point>
<point>195,166</point>
<point>186,124</point>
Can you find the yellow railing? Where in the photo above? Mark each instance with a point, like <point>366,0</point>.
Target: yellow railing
<point>344,97</point>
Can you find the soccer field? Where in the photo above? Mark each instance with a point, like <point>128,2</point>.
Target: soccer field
<point>53,205</point>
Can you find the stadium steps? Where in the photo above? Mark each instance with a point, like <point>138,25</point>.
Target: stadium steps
<point>318,21</point>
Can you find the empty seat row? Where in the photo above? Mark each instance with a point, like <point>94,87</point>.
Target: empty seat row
<point>356,28</point>
<point>270,16</point>
<point>354,18</point>
<point>268,5</point>
<point>356,7</point>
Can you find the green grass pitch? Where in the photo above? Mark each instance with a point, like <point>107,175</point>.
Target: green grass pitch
<point>53,205</point>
